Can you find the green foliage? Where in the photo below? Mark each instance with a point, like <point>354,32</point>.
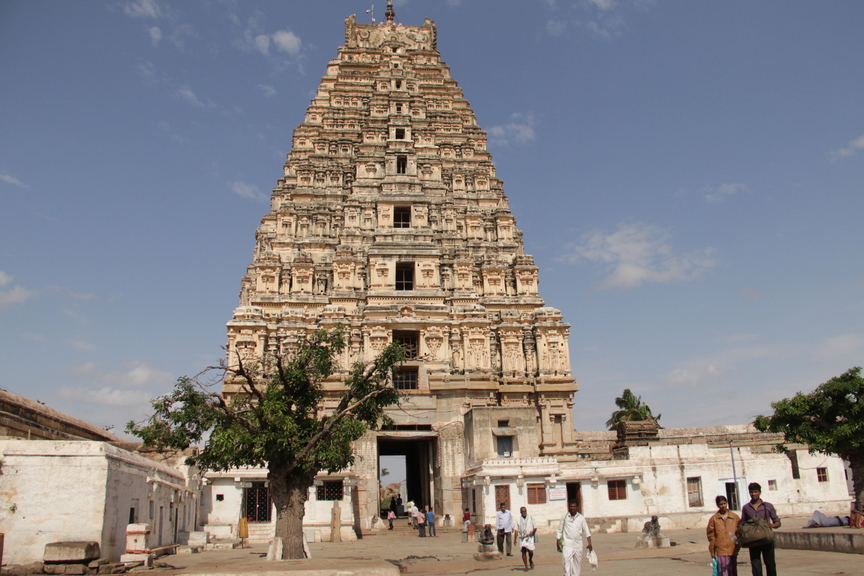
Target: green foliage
<point>275,420</point>
<point>630,409</point>
<point>830,419</point>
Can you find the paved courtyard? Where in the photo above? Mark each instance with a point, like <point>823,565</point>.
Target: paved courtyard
<point>378,553</point>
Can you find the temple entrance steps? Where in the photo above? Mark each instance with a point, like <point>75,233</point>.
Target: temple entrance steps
<point>261,531</point>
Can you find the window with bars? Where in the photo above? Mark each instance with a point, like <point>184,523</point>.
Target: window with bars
<point>401,164</point>
<point>402,217</point>
<point>617,489</point>
<point>822,474</point>
<point>536,493</point>
<point>410,340</point>
<point>330,490</point>
<point>404,276</point>
<point>400,132</point>
<point>405,378</point>
<point>694,491</point>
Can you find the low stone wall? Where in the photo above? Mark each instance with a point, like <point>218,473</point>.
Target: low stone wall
<point>850,543</point>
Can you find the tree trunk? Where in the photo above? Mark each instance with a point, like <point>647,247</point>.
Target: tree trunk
<point>289,492</point>
<point>856,463</point>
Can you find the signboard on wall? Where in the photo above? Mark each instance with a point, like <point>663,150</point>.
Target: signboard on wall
<point>557,493</point>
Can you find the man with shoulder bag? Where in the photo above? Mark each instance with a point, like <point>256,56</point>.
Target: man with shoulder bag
<point>759,518</point>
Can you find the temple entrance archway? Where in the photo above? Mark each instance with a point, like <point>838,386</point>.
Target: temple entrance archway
<point>419,452</point>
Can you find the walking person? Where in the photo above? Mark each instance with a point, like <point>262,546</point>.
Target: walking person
<point>420,517</point>
<point>412,513</point>
<point>572,532</point>
<point>430,522</point>
<point>391,515</point>
<point>722,541</point>
<point>757,508</point>
<point>525,530</point>
<point>504,526</point>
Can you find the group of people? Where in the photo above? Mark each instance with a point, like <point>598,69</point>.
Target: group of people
<point>723,529</point>
<point>421,518</point>
<point>573,534</point>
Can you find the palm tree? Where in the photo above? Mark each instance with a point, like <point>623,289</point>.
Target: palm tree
<point>631,409</point>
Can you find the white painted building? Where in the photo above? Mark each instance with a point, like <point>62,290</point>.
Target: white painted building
<point>56,491</point>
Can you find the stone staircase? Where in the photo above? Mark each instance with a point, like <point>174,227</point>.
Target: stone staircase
<point>261,532</point>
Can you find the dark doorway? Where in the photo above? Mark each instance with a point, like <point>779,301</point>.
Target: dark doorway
<point>256,503</point>
<point>732,496</point>
<point>574,492</point>
<point>419,453</point>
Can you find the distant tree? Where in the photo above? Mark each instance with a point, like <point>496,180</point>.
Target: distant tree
<point>830,419</point>
<point>630,409</point>
<point>276,421</point>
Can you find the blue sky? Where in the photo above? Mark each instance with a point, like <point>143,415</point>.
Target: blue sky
<point>688,176</point>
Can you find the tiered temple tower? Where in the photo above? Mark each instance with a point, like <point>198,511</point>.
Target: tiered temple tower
<point>389,221</point>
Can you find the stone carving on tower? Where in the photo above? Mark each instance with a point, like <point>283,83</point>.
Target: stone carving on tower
<point>389,220</point>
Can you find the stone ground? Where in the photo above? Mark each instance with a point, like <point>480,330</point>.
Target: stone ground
<point>381,553</point>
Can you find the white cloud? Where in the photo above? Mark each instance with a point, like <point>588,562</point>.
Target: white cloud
<point>694,374</point>
<point>267,90</point>
<point>12,180</point>
<point>520,130</point>
<point>262,43</point>
<point>189,96</point>
<point>555,27</point>
<point>155,35</point>
<point>134,374</point>
<point>106,396</point>
<point>603,4</point>
<point>81,345</point>
<point>143,9</point>
<point>287,41</point>
<point>15,294</point>
<point>637,253</point>
<point>843,345</point>
<point>852,148</point>
<point>714,195</point>
<point>245,190</point>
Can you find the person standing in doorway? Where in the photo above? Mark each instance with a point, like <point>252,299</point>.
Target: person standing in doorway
<point>430,522</point>
<point>504,526</point>
<point>525,530</point>
<point>756,508</point>
<point>572,532</point>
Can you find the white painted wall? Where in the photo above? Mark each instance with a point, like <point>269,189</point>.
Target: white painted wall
<point>81,490</point>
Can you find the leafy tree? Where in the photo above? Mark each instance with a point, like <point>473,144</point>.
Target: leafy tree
<point>830,419</point>
<point>277,420</point>
<point>630,409</point>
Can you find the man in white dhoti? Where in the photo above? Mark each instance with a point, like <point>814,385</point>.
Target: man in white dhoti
<point>572,530</point>
<point>525,529</point>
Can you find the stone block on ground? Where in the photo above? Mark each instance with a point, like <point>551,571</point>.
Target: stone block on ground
<point>76,569</point>
<point>112,568</point>
<point>145,560</point>
<point>274,551</point>
<point>71,552</point>
<point>198,539</point>
<point>23,569</point>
